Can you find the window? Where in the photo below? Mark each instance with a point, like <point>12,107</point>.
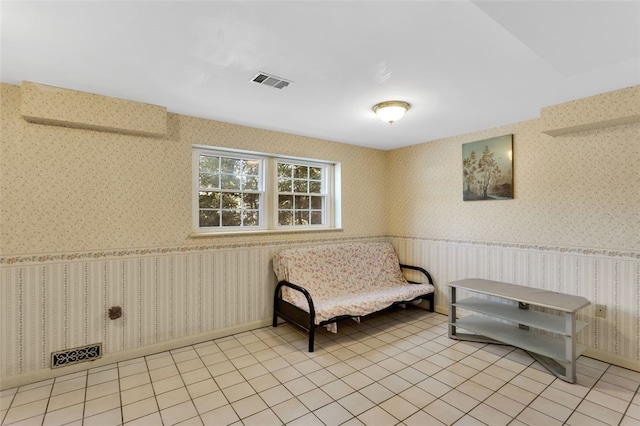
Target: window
<point>301,198</point>
<point>238,191</point>
<point>230,191</point>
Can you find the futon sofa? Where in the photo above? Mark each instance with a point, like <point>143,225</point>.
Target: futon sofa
<point>320,285</point>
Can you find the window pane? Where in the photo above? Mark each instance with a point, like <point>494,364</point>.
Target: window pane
<point>285,201</point>
<point>315,173</point>
<point>301,186</point>
<point>209,163</point>
<point>251,167</point>
<point>285,217</point>
<point>316,203</point>
<point>302,202</point>
<point>229,182</point>
<point>251,201</point>
<point>284,185</point>
<point>231,200</point>
<point>285,170</point>
<point>250,218</point>
<point>251,183</point>
<point>230,218</point>
<point>209,200</point>
<point>315,187</point>
<point>209,218</point>
<point>302,218</point>
<point>230,165</point>
<point>316,218</point>
<point>301,172</point>
<point>208,180</point>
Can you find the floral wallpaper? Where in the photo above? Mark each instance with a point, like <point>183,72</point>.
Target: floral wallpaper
<point>575,190</point>
<point>69,189</point>
<point>91,219</point>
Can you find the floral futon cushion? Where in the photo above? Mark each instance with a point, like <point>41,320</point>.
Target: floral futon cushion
<point>345,279</point>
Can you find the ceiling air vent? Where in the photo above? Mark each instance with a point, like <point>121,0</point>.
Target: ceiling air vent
<point>270,80</point>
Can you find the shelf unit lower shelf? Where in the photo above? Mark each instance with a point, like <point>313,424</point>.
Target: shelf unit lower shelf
<point>542,344</point>
<point>557,349</point>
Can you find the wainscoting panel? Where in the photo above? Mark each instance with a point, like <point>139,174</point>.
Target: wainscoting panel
<point>55,302</point>
<point>610,278</point>
<point>52,306</point>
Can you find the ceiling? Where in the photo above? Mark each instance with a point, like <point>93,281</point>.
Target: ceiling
<point>462,65</point>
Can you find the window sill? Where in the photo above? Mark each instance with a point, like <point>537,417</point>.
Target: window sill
<point>261,232</point>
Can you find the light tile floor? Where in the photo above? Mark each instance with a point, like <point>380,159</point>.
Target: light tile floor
<point>395,368</point>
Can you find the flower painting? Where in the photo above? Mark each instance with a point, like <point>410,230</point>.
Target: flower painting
<point>487,169</point>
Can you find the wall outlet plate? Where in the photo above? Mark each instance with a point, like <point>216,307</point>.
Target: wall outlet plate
<point>601,311</point>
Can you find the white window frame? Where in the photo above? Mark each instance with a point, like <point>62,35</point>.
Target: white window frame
<point>269,201</point>
<point>197,152</point>
<point>325,192</point>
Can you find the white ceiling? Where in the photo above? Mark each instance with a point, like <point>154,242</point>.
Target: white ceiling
<point>462,65</point>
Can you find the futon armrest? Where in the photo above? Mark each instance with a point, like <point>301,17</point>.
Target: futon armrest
<point>304,291</point>
<point>419,269</point>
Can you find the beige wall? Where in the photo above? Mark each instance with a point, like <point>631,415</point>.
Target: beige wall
<point>95,219</point>
<point>70,189</point>
<point>577,190</point>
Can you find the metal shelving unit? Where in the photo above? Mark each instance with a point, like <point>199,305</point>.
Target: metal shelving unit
<point>547,337</point>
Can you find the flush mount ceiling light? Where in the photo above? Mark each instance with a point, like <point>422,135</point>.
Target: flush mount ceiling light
<point>391,111</point>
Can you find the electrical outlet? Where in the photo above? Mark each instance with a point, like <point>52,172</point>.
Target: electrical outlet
<point>601,311</point>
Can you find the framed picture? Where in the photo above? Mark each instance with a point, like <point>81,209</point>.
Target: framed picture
<point>487,169</point>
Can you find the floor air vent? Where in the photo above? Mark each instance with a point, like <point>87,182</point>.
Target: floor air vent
<point>76,355</point>
<point>270,80</point>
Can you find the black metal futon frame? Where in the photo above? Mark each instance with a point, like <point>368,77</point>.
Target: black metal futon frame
<point>306,320</point>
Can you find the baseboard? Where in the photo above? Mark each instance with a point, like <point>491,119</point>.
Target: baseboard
<point>37,376</point>
<point>444,310</point>
<point>612,359</point>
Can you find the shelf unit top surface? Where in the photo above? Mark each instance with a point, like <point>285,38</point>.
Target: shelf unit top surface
<point>534,296</point>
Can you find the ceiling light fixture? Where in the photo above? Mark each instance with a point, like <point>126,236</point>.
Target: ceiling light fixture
<point>391,111</point>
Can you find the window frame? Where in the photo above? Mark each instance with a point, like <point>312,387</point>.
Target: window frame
<point>269,194</point>
<point>325,192</point>
<point>261,191</point>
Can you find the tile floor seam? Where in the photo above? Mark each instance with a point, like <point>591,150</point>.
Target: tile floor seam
<point>628,405</point>
<point>122,404</point>
<point>574,410</point>
<point>44,415</point>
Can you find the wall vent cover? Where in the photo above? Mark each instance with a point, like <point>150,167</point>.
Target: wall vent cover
<point>76,355</point>
<point>271,80</point>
